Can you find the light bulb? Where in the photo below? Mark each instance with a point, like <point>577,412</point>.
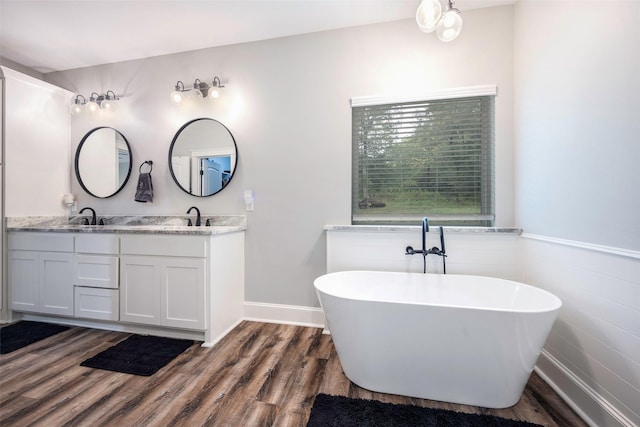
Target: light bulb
<point>428,14</point>
<point>92,106</point>
<point>449,26</point>
<point>214,92</point>
<point>194,94</point>
<point>177,97</point>
<point>108,104</point>
<point>76,109</point>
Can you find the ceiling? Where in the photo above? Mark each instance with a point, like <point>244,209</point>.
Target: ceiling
<point>53,35</point>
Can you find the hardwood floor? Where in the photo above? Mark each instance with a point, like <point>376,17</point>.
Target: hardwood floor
<point>259,375</point>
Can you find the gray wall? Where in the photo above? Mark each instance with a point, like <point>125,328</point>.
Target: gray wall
<point>576,121</point>
<point>287,105</point>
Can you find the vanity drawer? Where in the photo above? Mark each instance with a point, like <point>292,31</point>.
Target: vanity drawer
<point>50,242</point>
<point>96,271</point>
<point>178,246</point>
<point>94,303</point>
<point>107,244</point>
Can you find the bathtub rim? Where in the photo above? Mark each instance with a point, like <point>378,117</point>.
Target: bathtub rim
<point>552,308</point>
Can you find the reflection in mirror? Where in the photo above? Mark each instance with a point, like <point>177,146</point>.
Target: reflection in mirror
<point>103,162</point>
<point>203,157</point>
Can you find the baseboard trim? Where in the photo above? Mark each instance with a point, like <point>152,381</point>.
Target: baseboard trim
<point>284,314</point>
<point>572,389</point>
<point>117,326</point>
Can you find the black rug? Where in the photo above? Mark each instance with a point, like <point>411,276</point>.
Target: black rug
<point>340,411</point>
<point>23,333</point>
<point>139,355</point>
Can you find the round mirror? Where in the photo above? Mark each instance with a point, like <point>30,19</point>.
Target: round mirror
<point>203,157</point>
<point>103,162</point>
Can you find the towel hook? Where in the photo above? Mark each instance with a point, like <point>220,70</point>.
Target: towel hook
<point>148,162</point>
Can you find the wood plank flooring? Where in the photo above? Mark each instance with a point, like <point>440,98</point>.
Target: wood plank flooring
<point>259,375</point>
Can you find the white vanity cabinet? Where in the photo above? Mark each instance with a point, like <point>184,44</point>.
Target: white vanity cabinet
<point>40,272</point>
<point>179,283</point>
<point>96,278</point>
<point>163,280</point>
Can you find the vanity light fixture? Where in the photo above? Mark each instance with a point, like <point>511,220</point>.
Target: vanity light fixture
<point>214,90</point>
<point>198,91</point>
<point>92,106</point>
<point>177,96</point>
<point>77,106</point>
<point>447,25</point>
<point>96,102</point>
<point>109,102</point>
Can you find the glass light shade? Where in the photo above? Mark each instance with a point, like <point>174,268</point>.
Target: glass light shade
<point>214,92</point>
<point>108,104</point>
<point>449,26</point>
<point>177,97</point>
<point>194,94</point>
<point>76,109</point>
<point>92,106</point>
<point>428,14</point>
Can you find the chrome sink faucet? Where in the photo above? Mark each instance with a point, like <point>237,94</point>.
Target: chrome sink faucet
<point>197,216</point>
<point>93,216</point>
<point>424,251</point>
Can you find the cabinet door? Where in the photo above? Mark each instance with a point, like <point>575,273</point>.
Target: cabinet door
<point>23,268</point>
<point>56,281</point>
<point>140,298</point>
<point>183,292</point>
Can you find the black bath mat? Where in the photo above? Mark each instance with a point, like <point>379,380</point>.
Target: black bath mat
<point>139,355</point>
<point>346,412</point>
<point>23,333</point>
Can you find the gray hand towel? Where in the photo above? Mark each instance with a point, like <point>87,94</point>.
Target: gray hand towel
<point>144,192</point>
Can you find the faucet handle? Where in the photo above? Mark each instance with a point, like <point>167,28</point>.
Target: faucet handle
<point>189,223</point>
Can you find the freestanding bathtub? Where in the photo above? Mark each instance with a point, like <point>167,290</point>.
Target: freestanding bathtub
<point>463,339</point>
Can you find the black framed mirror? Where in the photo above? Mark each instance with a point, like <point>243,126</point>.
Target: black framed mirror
<point>103,162</point>
<point>203,157</point>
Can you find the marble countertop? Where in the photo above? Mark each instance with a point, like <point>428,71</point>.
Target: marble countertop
<point>411,228</point>
<point>220,224</point>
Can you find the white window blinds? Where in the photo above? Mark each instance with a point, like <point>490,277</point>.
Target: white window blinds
<point>424,158</point>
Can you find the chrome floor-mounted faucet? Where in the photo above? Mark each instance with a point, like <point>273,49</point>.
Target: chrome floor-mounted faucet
<point>424,251</point>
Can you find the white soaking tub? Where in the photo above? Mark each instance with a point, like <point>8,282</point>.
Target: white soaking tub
<point>463,339</point>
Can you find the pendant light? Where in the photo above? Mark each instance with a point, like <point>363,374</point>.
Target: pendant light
<point>450,24</point>
<point>428,14</point>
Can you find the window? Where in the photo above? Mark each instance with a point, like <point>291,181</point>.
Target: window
<point>423,158</point>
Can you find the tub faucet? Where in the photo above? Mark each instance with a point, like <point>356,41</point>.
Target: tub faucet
<point>425,230</point>
<point>197,216</point>
<point>93,216</point>
<point>424,251</point>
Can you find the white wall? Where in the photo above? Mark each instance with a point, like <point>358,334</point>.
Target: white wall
<point>476,253</point>
<point>577,155</point>
<point>36,136</point>
<point>34,164</point>
<point>287,105</point>
<point>576,120</point>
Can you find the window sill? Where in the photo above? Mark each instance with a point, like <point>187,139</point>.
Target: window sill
<point>417,228</point>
